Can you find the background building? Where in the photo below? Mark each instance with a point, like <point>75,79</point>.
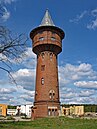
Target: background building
<point>3,109</point>
<point>73,110</point>
<point>11,112</point>
<point>24,109</point>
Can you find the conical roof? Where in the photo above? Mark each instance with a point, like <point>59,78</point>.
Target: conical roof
<point>47,20</point>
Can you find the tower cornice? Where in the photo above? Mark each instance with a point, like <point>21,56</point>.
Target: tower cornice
<point>58,30</point>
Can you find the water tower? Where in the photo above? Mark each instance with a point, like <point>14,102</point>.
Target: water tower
<point>47,44</point>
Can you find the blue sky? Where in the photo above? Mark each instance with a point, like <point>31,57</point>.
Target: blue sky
<point>78,61</point>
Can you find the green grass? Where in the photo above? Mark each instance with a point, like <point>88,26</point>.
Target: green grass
<point>52,123</point>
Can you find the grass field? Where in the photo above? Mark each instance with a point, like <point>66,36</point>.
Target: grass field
<point>52,123</point>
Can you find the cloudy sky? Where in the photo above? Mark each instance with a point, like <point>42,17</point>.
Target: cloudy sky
<point>77,63</point>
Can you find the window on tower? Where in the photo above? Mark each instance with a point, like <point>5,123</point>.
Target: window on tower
<point>41,38</point>
<point>42,67</point>
<point>42,81</point>
<point>49,112</point>
<point>51,55</point>
<point>51,94</point>
<point>53,38</point>
<point>42,54</point>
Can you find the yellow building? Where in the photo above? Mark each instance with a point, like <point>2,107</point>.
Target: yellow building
<point>78,110</point>
<point>65,111</point>
<point>3,109</point>
<point>73,110</point>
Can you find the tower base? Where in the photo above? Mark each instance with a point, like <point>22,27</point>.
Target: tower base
<point>45,109</point>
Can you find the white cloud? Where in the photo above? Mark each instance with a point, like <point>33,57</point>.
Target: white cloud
<point>29,59</point>
<point>30,93</point>
<point>94,12</point>
<point>29,53</point>
<point>25,78</point>
<point>7,90</point>
<point>93,24</point>
<point>90,16</point>
<point>23,73</point>
<point>78,17</point>
<point>86,93</point>
<point>3,57</point>
<point>5,98</point>
<point>27,97</point>
<point>71,76</point>
<point>70,95</point>
<point>75,96</point>
<point>7,1</point>
<point>80,100</point>
<point>86,84</point>
<point>70,73</point>
<point>5,15</point>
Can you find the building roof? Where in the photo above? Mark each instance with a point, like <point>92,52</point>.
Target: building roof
<point>47,24</point>
<point>47,20</point>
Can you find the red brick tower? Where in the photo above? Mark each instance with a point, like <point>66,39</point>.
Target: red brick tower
<point>46,45</point>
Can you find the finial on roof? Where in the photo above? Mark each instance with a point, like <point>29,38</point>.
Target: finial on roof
<point>47,21</point>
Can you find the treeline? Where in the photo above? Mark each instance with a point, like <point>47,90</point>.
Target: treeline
<point>11,107</point>
<point>87,107</point>
<point>90,108</point>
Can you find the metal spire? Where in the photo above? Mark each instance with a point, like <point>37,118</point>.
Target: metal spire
<point>47,21</point>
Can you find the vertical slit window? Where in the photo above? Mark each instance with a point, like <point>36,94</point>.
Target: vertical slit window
<point>51,55</point>
<point>42,67</point>
<point>42,81</point>
<point>42,55</point>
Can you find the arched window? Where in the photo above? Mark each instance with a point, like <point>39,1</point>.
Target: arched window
<point>51,55</point>
<point>42,81</point>
<point>51,94</point>
<point>42,54</point>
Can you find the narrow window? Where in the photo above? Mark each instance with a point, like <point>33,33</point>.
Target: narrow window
<point>53,38</point>
<point>51,54</point>
<point>42,54</point>
<point>53,95</point>
<point>49,112</point>
<point>53,112</point>
<point>42,81</point>
<point>50,95</point>
<point>41,38</point>
<point>42,67</point>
